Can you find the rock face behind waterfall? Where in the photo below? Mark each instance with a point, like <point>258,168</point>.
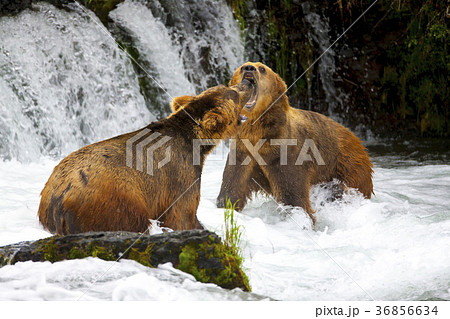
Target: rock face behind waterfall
<point>198,252</point>
<point>387,73</point>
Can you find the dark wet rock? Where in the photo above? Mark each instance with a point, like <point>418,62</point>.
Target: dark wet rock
<point>198,252</point>
<point>8,7</point>
<point>100,7</point>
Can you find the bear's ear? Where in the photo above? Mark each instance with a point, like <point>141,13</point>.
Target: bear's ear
<point>233,81</point>
<point>214,121</point>
<point>180,101</point>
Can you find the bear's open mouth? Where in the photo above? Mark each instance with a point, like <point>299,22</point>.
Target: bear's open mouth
<point>249,76</point>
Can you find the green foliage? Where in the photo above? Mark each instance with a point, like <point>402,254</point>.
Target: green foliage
<point>102,7</point>
<point>239,8</point>
<point>142,257</point>
<point>232,231</point>
<point>222,266</point>
<point>406,39</point>
<point>91,250</point>
<point>224,259</point>
<point>282,50</point>
<point>415,80</point>
<point>50,250</point>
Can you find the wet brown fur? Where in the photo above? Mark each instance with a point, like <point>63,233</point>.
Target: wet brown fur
<point>345,157</point>
<point>93,189</point>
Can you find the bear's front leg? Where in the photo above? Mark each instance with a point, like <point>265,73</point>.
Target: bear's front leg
<point>236,183</point>
<point>290,185</point>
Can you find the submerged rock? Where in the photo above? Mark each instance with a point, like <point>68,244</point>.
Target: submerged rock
<point>198,252</point>
<point>100,7</point>
<point>8,7</point>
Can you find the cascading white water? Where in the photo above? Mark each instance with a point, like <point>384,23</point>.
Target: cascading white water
<point>153,41</point>
<point>187,61</point>
<point>215,38</point>
<point>64,83</point>
<point>318,35</point>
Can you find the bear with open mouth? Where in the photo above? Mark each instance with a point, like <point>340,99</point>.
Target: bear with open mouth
<point>151,174</point>
<point>283,151</point>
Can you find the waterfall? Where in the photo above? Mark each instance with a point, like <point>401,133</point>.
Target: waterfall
<point>65,83</point>
<point>153,41</point>
<point>326,68</point>
<point>189,45</point>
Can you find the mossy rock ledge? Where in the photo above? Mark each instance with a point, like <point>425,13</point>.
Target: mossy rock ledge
<point>198,252</point>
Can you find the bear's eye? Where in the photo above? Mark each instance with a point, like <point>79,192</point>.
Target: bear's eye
<point>262,69</point>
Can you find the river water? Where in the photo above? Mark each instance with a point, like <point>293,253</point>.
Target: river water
<point>392,247</point>
<point>58,93</point>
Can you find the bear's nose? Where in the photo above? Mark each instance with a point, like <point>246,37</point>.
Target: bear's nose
<point>249,68</point>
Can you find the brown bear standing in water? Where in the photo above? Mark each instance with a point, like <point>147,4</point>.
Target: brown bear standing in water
<point>283,151</point>
<point>110,186</point>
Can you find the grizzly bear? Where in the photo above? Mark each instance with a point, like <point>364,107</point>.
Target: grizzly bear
<point>282,151</point>
<point>113,185</point>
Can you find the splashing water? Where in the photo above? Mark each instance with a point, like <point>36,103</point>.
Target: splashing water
<point>391,247</point>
